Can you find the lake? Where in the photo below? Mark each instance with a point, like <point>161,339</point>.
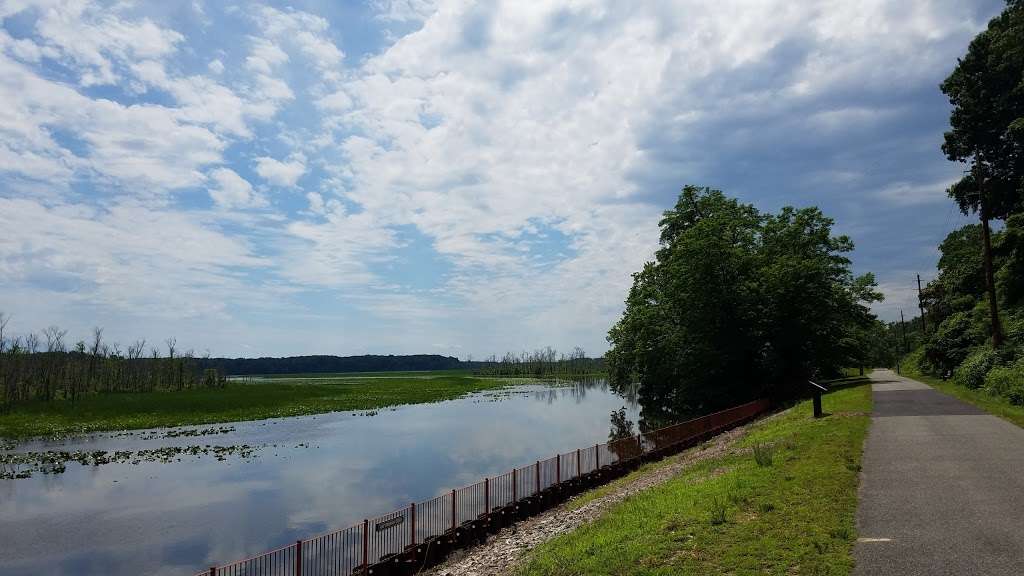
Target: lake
<point>306,475</point>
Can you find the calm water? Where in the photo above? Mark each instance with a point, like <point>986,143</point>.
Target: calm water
<point>326,472</point>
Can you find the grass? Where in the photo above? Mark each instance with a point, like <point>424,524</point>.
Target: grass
<point>990,403</point>
<point>271,398</point>
<point>732,515</point>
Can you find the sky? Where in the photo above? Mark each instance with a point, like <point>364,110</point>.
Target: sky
<point>462,178</point>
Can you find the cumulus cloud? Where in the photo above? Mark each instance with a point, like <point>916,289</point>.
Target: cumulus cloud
<point>405,10</point>
<point>232,191</point>
<point>338,251</point>
<point>139,145</point>
<point>307,32</point>
<point>96,40</point>
<point>153,147</point>
<point>265,56</point>
<point>127,258</point>
<point>281,173</point>
<point>486,121</point>
<point>527,149</point>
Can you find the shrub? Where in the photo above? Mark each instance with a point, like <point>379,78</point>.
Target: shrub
<point>1007,381</point>
<point>971,373</point>
<point>1014,328</point>
<point>950,344</point>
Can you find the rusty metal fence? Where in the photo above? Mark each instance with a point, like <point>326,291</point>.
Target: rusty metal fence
<point>368,547</point>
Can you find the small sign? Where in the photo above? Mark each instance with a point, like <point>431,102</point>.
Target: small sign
<point>382,526</point>
<point>818,386</point>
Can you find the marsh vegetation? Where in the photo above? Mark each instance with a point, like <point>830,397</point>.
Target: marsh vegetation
<point>45,368</point>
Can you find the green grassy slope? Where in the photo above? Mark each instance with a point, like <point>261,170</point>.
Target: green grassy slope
<point>731,515</point>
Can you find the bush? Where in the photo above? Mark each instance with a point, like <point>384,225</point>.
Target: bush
<point>951,343</point>
<point>971,373</point>
<point>1013,325</point>
<point>1007,381</point>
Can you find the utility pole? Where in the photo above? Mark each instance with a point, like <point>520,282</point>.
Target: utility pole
<point>990,282</point>
<point>903,328</point>
<point>920,304</point>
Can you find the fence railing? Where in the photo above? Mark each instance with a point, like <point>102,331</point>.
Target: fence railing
<point>399,535</point>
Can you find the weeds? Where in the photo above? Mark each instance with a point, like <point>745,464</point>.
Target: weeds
<point>764,454</point>
<point>719,508</point>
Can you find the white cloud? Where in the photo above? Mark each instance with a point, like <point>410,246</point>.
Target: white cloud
<point>127,258</point>
<point>483,123</point>
<point>338,251</point>
<point>281,173</point>
<point>530,146</point>
<point>265,56</point>
<point>138,145</point>
<point>405,10</point>
<point>95,40</point>
<point>233,191</point>
<point>910,193</point>
<point>335,102</point>
<point>151,148</point>
<point>307,32</point>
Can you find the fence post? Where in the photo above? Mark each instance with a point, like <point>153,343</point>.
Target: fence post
<point>514,487</point>
<point>640,443</point>
<point>412,518</point>
<point>597,456</point>
<point>453,509</point>
<point>579,472</point>
<point>213,571</point>
<point>366,544</point>
<point>558,468</point>
<point>298,558</point>
<point>487,495</point>
<point>537,470</point>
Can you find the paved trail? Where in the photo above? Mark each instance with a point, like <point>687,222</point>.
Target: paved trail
<point>942,490</point>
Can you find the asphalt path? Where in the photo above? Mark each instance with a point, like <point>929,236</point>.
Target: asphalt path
<point>942,486</point>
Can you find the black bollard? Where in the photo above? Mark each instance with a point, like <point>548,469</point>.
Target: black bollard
<point>817,389</point>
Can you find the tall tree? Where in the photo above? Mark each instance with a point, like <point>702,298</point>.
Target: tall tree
<point>687,333</point>
<point>986,90</point>
<point>737,304</point>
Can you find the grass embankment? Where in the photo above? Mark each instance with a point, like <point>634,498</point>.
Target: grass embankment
<point>991,403</point>
<point>268,398</point>
<point>732,515</point>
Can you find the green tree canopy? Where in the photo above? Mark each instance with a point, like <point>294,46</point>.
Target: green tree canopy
<point>737,303</point>
<point>986,90</point>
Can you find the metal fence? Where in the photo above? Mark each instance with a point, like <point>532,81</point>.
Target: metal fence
<point>354,549</point>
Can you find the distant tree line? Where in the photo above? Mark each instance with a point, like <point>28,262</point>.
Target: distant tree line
<point>330,364</point>
<point>546,362</point>
<point>44,367</point>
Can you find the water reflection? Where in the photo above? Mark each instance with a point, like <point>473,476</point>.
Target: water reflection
<point>158,518</point>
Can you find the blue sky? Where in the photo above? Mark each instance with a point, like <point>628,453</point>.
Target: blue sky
<point>412,176</point>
